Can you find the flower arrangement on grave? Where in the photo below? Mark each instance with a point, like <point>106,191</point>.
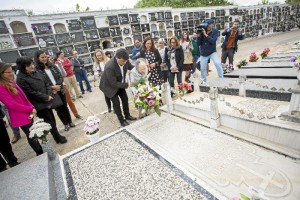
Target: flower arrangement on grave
<point>242,63</point>
<point>91,125</point>
<point>296,61</point>
<point>39,130</point>
<point>253,57</point>
<point>227,68</point>
<point>184,88</point>
<point>147,96</point>
<point>265,53</point>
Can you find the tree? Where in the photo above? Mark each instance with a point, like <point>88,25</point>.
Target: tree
<point>292,1</point>
<point>265,2</point>
<point>77,7</point>
<point>180,3</point>
<point>87,9</point>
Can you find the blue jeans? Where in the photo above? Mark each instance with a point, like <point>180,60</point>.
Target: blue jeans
<point>215,59</point>
<point>80,76</point>
<point>16,131</point>
<point>195,58</point>
<point>172,77</point>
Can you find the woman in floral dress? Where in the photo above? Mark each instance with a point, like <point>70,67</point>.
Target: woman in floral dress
<point>151,54</point>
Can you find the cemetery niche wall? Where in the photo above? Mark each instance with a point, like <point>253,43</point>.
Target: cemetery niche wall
<point>85,33</point>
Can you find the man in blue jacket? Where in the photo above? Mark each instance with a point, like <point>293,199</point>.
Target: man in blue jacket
<point>208,43</point>
<point>230,46</point>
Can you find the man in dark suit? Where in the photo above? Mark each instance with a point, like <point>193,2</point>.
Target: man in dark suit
<point>113,84</point>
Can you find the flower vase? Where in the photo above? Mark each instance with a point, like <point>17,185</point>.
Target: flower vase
<point>94,138</point>
<point>48,148</point>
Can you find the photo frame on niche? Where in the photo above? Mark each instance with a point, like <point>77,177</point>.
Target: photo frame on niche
<point>74,24</point>
<point>114,32</point>
<point>118,42</point>
<point>42,28</point>
<point>183,16</point>
<point>77,37</point>
<point>168,15</point>
<point>123,18</point>
<point>145,27</point>
<point>136,28</point>
<point>91,35</point>
<point>3,27</point>
<point>29,52</point>
<point>46,41</point>
<point>178,33</point>
<point>160,16</point>
<point>126,31</point>
<point>24,39</point>
<point>104,32</point>
<point>177,25</point>
<point>113,20</point>
<point>92,46</point>
<point>134,18</point>
<point>81,48</point>
<point>9,56</point>
<point>88,22</point>
<point>68,50</point>
<point>169,24</point>
<point>63,38</point>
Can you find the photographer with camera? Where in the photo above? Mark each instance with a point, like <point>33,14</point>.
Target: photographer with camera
<point>230,46</point>
<point>208,43</point>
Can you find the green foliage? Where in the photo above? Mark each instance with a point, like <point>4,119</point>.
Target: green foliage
<point>244,197</point>
<point>87,9</point>
<point>77,8</point>
<point>180,3</point>
<point>292,1</point>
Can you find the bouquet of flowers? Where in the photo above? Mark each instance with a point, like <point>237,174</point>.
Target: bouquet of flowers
<point>242,63</point>
<point>39,130</point>
<point>147,96</point>
<point>184,88</point>
<point>253,57</point>
<point>265,53</point>
<point>296,61</point>
<point>227,68</point>
<point>91,125</point>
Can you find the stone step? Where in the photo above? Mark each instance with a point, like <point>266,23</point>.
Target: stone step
<point>32,180</point>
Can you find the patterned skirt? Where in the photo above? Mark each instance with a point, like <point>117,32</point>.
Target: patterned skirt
<point>155,77</point>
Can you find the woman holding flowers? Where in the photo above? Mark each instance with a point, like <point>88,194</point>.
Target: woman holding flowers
<point>20,110</point>
<point>151,54</point>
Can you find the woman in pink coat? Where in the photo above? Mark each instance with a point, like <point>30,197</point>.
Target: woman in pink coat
<point>19,108</point>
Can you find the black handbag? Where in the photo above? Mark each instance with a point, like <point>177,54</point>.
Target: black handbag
<point>56,101</point>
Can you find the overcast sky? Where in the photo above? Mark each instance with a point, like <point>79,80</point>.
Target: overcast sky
<point>39,6</point>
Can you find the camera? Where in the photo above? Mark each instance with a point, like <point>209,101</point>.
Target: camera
<point>201,26</point>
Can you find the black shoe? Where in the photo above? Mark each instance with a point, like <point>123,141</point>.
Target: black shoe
<point>130,118</point>
<point>61,140</point>
<point>83,92</point>
<point>72,125</point>
<point>3,169</point>
<point>124,123</point>
<point>109,110</point>
<point>13,164</point>
<point>67,128</point>
<point>90,91</point>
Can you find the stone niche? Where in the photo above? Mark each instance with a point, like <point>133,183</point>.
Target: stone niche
<point>153,27</point>
<point>128,41</point>
<point>18,27</point>
<point>143,19</point>
<point>106,44</point>
<point>161,26</point>
<point>60,28</point>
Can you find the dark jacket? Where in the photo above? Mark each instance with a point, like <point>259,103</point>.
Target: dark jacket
<point>78,64</point>
<point>36,89</point>
<point>56,74</point>
<point>135,51</point>
<point>158,59</point>
<point>238,36</point>
<point>208,45</point>
<point>179,57</point>
<point>111,79</point>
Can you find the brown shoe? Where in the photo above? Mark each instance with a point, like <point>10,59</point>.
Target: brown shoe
<point>15,139</point>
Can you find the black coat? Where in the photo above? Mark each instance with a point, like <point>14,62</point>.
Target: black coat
<point>179,57</point>
<point>77,63</point>
<point>111,79</point>
<point>36,89</point>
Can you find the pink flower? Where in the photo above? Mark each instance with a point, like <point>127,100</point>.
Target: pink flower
<point>293,59</point>
<point>151,95</point>
<point>150,103</point>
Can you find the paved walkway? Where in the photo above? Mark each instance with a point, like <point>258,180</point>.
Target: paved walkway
<point>93,103</point>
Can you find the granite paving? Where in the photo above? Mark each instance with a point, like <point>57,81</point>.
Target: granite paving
<point>122,167</point>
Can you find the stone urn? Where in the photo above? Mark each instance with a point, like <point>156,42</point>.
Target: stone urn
<point>48,148</point>
<point>94,137</point>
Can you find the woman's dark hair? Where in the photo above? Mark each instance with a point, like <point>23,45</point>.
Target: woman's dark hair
<point>108,53</point>
<point>58,53</point>
<point>122,54</point>
<point>146,40</point>
<point>23,62</point>
<point>37,62</point>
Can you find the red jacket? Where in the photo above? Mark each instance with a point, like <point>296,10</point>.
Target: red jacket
<point>68,66</point>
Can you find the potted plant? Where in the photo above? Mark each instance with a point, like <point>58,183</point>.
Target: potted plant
<point>91,128</point>
<point>39,131</point>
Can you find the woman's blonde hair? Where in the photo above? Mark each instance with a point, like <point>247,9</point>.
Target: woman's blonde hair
<point>6,83</point>
<point>96,60</point>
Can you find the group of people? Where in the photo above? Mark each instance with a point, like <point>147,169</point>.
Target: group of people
<point>41,82</point>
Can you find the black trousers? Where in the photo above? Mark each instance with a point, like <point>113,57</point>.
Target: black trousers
<point>116,104</point>
<point>107,100</point>
<point>165,75</point>
<point>48,116</point>
<point>172,78</point>
<point>7,155</point>
<point>227,53</point>
<point>34,143</point>
<point>63,111</point>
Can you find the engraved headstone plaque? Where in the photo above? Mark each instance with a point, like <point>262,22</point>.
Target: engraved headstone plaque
<point>68,50</point>
<point>169,24</point>
<point>152,17</point>
<point>160,16</point>
<point>24,39</point>
<point>46,41</point>
<point>9,56</point>
<point>113,20</point>
<point>81,48</point>
<point>104,32</point>
<point>88,22</point>
<point>133,18</point>
<point>91,35</point>
<point>123,18</point>
<point>114,32</point>
<point>3,28</point>
<point>168,15</point>
<point>145,27</point>
<point>93,45</point>
<point>77,37</point>
<point>74,24</point>
<point>136,28</point>
<point>42,28</point>
<point>29,52</point>
<point>63,38</point>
